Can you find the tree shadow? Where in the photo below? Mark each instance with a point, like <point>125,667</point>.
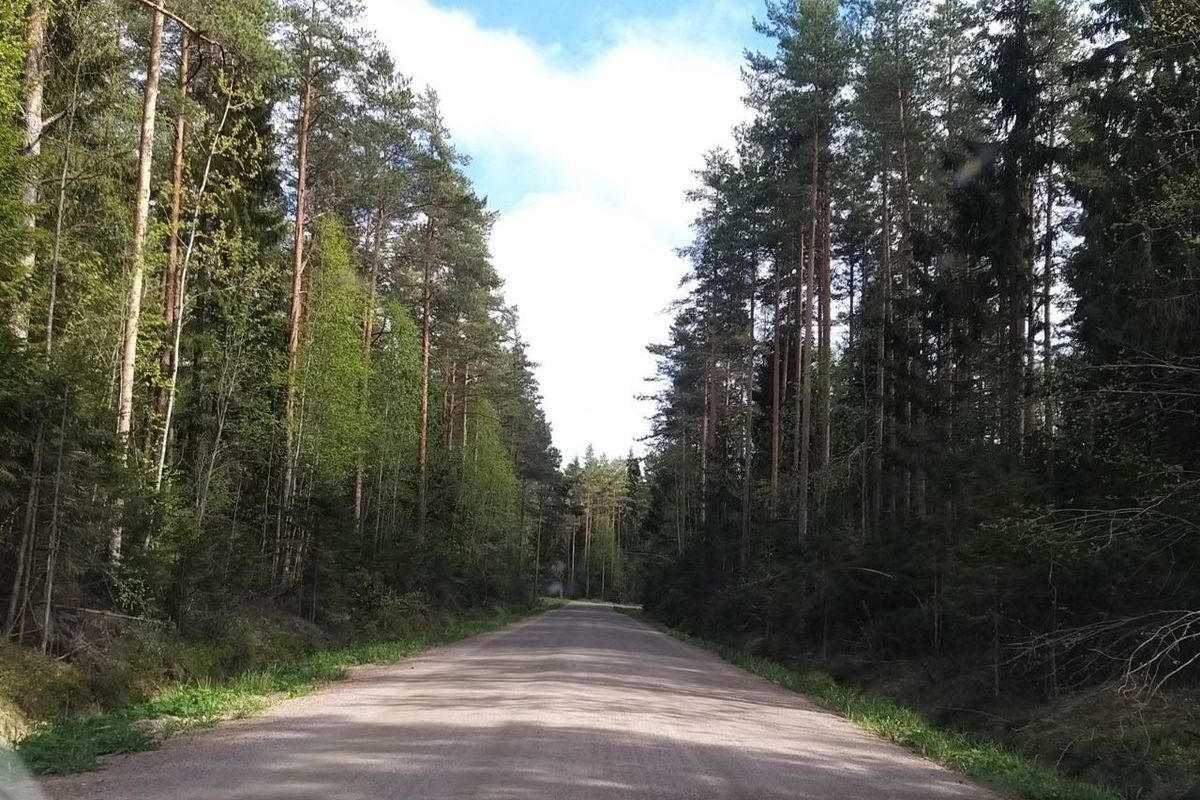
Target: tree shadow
<point>577,703</point>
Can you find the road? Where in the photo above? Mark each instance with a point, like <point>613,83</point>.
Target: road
<point>582,703</point>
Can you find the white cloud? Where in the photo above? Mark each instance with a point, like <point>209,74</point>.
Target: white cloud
<point>597,155</point>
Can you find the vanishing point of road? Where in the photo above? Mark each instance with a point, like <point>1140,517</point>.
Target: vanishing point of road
<point>581,703</point>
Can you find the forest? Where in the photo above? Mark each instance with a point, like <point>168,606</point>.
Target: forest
<point>928,416</point>
<point>256,354</point>
<point>929,405</point>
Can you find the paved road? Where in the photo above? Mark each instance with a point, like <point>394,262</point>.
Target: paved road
<point>577,704</point>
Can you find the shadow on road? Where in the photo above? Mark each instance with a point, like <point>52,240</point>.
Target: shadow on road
<point>578,703</point>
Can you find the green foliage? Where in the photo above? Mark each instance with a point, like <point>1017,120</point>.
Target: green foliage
<point>947,472</point>
<point>13,235</point>
<point>388,197</point>
<point>333,370</point>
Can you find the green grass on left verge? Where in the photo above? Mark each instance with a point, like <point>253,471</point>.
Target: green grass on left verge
<point>75,743</point>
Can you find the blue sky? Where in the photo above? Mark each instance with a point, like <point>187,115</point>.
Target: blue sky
<point>584,122</point>
<point>575,26</point>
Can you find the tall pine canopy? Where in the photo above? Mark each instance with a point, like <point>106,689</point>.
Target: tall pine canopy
<point>328,409</point>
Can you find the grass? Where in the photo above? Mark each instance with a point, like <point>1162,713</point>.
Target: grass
<point>985,762</point>
<point>75,742</point>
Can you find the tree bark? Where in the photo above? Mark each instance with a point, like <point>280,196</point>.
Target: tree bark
<point>368,335</point>
<point>806,362</point>
<point>179,297</point>
<point>798,310</point>
<point>423,430</point>
<point>825,391</point>
<point>1047,324</point>
<point>747,423</point>
<point>33,122</point>
<point>53,543</point>
<point>914,367</point>
<point>169,277</point>
<point>775,398</point>
<point>141,216</point>
<point>297,297</point>
<point>885,316</point>
<point>706,422</point>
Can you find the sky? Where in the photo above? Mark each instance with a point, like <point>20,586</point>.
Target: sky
<point>585,122</point>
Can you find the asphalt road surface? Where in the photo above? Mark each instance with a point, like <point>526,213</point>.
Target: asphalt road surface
<point>581,703</point>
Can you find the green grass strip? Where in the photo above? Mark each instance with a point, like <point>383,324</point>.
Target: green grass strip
<point>986,762</point>
<point>75,743</point>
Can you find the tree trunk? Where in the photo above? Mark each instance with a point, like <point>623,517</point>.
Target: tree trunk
<point>798,310</point>
<point>825,392</point>
<point>706,423</point>
<point>368,335</point>
<point>141,216</point>
<point>35,88</point>
<point>297,298</point>
<point>59,214</point>
<point>806,394</point>
<point>775,398</point>
<point>748,455</point>
<point>179,297</point>
<point>53,536</point>
<point>1047,325</point>
<point>803,479</point>
<point>169,277</point>
<point>914,367</point>
<point>16,597</point>
<point>881,350</point>
<point>423,430</point>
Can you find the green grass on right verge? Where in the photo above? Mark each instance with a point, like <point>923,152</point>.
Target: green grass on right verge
<point>986,762</point>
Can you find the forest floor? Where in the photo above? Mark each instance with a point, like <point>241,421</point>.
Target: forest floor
<point>581,702</point>
<point>1086,744</point>
<point>146,685</point>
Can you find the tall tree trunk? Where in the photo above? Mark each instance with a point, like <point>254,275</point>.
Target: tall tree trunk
<point>748,390</point>
<point>59,215</point>
<point>297,296</point>
<point>1047,324</point>
<point>423,430</point>
<point>179,297</point>
<point>34,102</point>
<point>169,277</point>
<point>798,310</point>
<point>810,309</point>
<point>466,379</point>
<point>587,553</point>
<point>16,597</point>
<point>1029,322</point>
<point>29,522</point>
<point>52,545</point>
<point>141,217</point>
<point>706,421</point>
<point>803,478</point>
<point>775,398</point>
<point>881,348</point>
<point>450,370</point>
<point>825,391</point>
<point>914,367</point>
<point>368,335</point>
